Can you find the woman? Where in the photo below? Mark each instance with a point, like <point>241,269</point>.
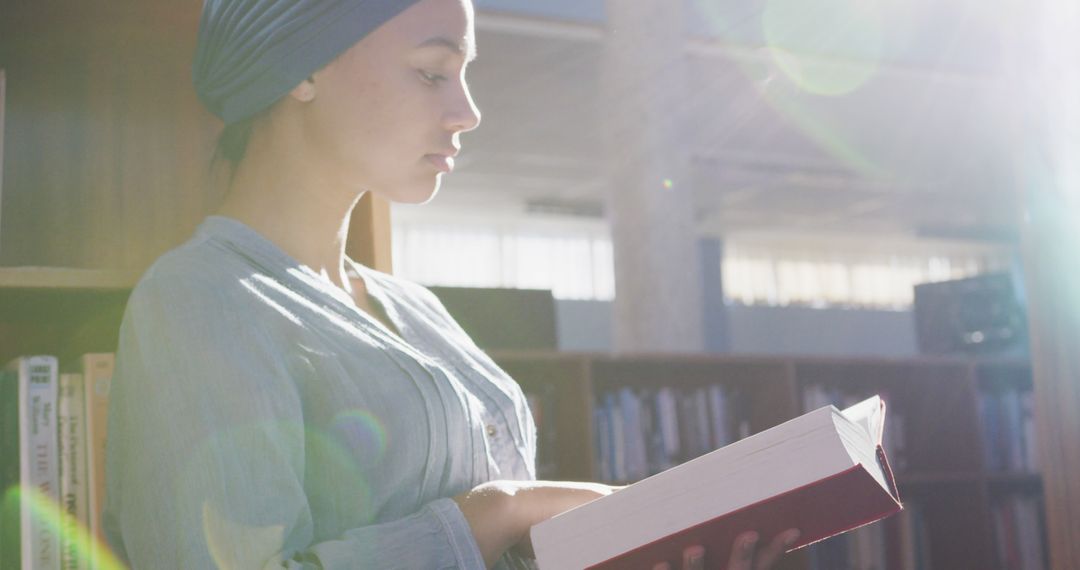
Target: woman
<point>276,404</point>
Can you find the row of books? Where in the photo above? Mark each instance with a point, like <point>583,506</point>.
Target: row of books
<point>894,442</point>
<point>53,471</point>
<point>641,431</point>
<point>1019,532</point>
<point>1008,421</point>
<point>861,549</point>
<point>868,547</point>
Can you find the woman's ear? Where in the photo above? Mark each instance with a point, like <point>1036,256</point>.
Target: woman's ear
<point>305,91</point>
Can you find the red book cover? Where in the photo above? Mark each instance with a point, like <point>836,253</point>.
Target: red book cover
<point>811,508</point>
<point>823,473</point>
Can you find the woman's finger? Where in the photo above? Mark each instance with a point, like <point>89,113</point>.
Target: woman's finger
<point>693,558</point>
<point>768,556</point>
<point>742,555</point>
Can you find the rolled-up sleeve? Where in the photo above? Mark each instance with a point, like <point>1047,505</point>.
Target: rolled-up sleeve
<point>206,452</point>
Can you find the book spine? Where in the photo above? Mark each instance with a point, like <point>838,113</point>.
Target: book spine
<point>10,435</point>
<point>990,420</point>
<point>97,372</point>
<point>633,434</point>
<point>1014,431</point>
<point>1018,532</point>
<point>702,421</point>
<point>654,445</point>
<point>73,489</point>
<point>922,540</point>
<point>618,438</point>
<point>601,443</point>
<point>903,540</point>
<point>721,430</point>
<point>1028,527</point>
<point>687,417</point>
<point>739,401</point>
<point>668,417</point>
<point>1031,457</point>
<point>38,463</point>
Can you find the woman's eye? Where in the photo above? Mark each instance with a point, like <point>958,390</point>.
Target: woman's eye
<point>431,77</point>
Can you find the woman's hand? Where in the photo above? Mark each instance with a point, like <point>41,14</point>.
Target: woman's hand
<point>500,513</point>
<point>744,553</point>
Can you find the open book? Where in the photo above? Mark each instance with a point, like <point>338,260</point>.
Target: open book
<point>824,473</point>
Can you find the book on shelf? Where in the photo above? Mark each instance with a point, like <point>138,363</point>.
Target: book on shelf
<point>913,538</point>
<point>1018,532</point>
<point>97,371</point>
<point>71,441</point>
<point>824,473</point>
<point>1008,420</point>
<point>52,445</point>
<point>30,474</point>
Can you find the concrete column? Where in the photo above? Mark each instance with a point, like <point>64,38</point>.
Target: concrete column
<point>658,304</point>
<point>714,311</point>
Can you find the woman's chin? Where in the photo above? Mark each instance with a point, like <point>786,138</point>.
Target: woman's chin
<point>416,194</point>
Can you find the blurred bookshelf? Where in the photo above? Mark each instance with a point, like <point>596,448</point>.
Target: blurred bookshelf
<point>596,424</point>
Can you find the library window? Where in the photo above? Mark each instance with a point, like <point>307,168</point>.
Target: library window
<point>574,263</point>
<point>755,274</point>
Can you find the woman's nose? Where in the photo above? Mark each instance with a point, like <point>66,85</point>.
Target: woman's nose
<point>463,115</point>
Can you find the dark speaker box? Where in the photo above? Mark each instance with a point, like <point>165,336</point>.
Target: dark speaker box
<point>503,319</point>
<point>977,315</point>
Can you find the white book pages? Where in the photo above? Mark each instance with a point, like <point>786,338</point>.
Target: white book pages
<point>751,470</point>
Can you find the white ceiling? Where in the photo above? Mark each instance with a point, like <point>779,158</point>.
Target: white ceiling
<point>903,149</point>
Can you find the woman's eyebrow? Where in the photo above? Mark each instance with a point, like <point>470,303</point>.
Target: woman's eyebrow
<point>464,49</point>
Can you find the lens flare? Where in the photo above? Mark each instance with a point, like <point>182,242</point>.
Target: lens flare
<point>360,432</point>
<point>801,35</point>
<point>336,463</point>
<point>668,184</point>
<point>235,546</point>
<point>813,55</point>
<point>334,480</point>
<point>825,135</point>
<point>79,544</point>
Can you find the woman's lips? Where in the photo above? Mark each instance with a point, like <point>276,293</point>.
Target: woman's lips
<point>441,162</point>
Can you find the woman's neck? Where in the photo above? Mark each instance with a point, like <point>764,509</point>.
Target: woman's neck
<point>289,199</point>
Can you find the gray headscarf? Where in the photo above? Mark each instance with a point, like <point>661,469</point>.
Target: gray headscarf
<point>250,53</point>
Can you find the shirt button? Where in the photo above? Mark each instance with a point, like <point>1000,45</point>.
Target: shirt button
<point>491,430</point>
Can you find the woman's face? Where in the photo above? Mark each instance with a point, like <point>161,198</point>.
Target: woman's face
<point>388,113</point>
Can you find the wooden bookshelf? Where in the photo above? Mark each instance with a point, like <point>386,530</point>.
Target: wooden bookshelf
<point>61,311</point>
<point>944,470</point>
<point>51,278</point>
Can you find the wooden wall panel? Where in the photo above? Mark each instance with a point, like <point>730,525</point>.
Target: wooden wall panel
<point>370,234</point>
<point>107,145</point>
<point>3,105</point>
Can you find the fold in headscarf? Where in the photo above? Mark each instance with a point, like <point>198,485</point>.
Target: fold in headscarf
<point>250,53</point>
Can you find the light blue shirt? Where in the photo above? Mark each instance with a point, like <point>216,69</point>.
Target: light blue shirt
<point>258,417</point>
